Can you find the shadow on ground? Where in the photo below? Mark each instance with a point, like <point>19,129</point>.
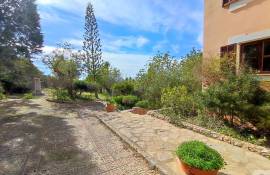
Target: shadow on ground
<point>12,106</point>
<point>32,143</point>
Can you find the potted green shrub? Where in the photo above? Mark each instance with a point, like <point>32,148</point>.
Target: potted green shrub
<point>110,107</point>
<point>196,158</point>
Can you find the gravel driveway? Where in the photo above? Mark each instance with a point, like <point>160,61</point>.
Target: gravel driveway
<point>42,138</point>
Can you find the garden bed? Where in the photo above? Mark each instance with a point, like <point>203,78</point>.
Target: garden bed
<point>264,151</point>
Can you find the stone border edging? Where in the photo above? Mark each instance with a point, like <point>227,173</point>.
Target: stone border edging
<point>154,165</point>
<point>245,145</point>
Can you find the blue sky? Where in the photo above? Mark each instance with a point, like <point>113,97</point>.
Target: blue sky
<point>132,31</point>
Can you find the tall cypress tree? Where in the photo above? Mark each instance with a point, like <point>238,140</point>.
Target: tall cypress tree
<point>92,46</point>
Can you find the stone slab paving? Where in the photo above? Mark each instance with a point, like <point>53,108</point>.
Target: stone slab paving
<point>157,140</point>
<point>42,138</point>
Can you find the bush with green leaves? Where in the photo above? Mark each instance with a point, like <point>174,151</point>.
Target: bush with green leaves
<point>142,104</point>
<point>238,94</point>
<point>61,95</point>
<point>93,87</point>
<point>160,73</point>
<point>108,77</point>
<point>16,75</point>
<point>80,86</point>
<point>110,100</point>
<point>118,99</point>
<point>129,100</point>
<point>180,101</point>
<point>125,102</point>
<point>85,96</point>
<point>28,96</point>
<point>125,87</point>
<point>198,155</point>
<point>65,67</point>
<point>2,96</point>
<point>164,71</point>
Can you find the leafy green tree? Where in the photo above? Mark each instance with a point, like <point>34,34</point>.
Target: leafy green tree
<point>20,38</point>
<point>16,76</point>
<point>108,77</point>
<point>80,86</point>
<point>190,68</point>
<point>65,66</point>
<point>92,46</point>
<point>125,87</point>
<point>20,29</point>
<point>160,73</point>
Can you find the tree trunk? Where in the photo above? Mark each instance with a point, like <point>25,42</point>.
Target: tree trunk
<point>96,94</point>
<point>70,92</point>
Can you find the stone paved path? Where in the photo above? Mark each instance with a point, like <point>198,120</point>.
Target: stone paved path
<point>158,140</point>
<point>42,138</point>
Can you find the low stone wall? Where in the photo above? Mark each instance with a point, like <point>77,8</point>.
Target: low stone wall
<point>248,146</point>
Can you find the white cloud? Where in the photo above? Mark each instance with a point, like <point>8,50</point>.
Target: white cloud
<point>150,15</point>
<point>116,43</point>
<point>141,41</point>
<point>128,64</point>
<point>113,43</point>
<point>51,17</point>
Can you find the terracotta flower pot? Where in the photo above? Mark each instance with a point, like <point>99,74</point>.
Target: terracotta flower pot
<point>139,111</point>
<point>110,108</point>
<point>194,171</point>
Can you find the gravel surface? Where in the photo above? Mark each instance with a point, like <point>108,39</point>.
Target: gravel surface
<point>42,138</point>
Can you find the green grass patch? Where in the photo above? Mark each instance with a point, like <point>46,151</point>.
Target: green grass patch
<point>28,96</point>
<point>2,96</point>
<point>86,96</point>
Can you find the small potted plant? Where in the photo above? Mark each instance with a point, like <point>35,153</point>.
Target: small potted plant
<point>110,107</point>
<point>196,158</point>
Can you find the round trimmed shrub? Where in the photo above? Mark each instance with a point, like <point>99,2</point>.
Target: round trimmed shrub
<point>142,104</point>
<point>198,155</point>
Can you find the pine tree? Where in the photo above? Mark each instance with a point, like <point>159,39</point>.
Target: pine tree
<point>92,46</point>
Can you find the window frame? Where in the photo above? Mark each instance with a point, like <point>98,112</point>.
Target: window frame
<point>261,56</point>
<point>228,3</point>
